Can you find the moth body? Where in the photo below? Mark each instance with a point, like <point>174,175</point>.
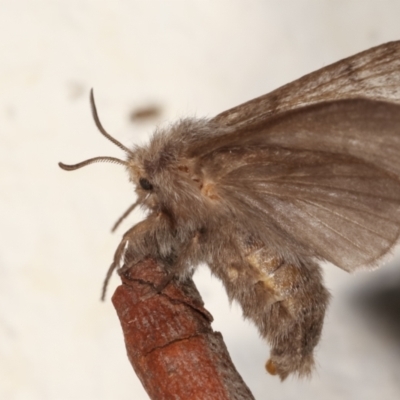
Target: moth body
<point>191,221</point>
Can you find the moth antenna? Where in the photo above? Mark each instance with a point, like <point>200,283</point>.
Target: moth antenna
<point>124,215</point>
<point>100,126</point>
<point>72,167</point>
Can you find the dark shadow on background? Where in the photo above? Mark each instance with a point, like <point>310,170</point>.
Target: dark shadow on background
<point>378,302</point>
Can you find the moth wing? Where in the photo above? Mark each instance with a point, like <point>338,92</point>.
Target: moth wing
<point>335,208</point>
<point>366,129</point>
<point>321,181</point>
<point>374,74</point>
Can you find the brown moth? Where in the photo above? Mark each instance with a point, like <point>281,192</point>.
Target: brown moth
<point>265,191</point>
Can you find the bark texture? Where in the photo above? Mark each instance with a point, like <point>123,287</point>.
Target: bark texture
<point>169,339</point>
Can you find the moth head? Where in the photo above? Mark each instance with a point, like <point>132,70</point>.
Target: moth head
<point>167,178</point>
<point>164,179</point>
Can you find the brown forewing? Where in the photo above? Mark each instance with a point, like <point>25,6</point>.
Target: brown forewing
<point>374,74</point>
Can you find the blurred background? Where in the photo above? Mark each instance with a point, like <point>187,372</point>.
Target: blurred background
<point>151,62</point>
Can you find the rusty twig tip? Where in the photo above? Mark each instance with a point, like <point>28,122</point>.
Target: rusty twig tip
<point>171,331</point>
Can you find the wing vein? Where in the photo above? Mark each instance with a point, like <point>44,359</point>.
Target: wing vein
<point>345,190</point>
<point>343,217</point>
<point>335,231</point>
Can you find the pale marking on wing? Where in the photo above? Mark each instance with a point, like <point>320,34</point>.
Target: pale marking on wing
<point>208,190</point>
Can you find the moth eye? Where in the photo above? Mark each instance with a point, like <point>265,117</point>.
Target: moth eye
<point>145,184</point>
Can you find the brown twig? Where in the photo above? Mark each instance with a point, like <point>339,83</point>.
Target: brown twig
<point>169,339</point>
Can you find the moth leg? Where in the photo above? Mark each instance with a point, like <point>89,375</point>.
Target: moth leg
<point>139,242</point>
<point>182,265</point>
<point>157,237</point>
<point>293,323</point>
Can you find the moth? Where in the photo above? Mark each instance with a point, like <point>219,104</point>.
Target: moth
<point>266,191</point>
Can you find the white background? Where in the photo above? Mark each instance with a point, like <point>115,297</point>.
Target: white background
<point>57,340</point>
